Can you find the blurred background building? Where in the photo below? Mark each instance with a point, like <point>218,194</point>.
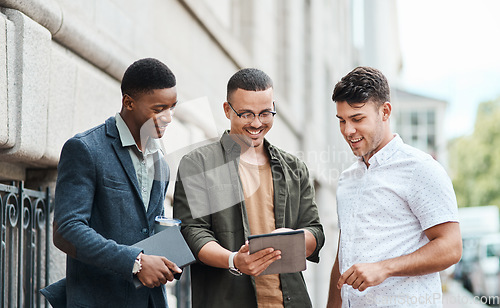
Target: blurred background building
<point>61,62</point>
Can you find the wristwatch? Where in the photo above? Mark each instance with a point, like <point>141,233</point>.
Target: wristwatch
<point>137,264</point>
<point>232,269</point>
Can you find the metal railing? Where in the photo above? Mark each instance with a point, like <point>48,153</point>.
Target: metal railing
<point>183,289</point>
<point>25,239</point>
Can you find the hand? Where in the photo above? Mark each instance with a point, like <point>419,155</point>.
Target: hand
<point>363,275</point>
<point>282,230</point>
<point>254,264</point>
<point>156,270</point>
<point>309,237</point>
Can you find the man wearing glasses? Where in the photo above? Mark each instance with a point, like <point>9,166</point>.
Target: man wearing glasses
<point>239,186</point>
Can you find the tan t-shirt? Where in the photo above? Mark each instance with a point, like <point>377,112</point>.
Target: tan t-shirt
<point>258,188</point>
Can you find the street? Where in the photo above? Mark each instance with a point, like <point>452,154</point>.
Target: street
<point>455,296</point>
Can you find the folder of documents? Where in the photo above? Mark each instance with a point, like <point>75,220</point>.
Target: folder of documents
<point>170,244</point>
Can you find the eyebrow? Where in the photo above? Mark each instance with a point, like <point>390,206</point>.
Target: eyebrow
<point>248,110</point>
<point>165,105</point>
<point>351,116</point>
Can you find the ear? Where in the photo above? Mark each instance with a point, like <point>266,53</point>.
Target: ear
<point>227,110</point>
<point>386,111</point>
<point>127,102</point>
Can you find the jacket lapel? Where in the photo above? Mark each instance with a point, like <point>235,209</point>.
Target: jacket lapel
<point>123,155</point>
<point>160,181</point>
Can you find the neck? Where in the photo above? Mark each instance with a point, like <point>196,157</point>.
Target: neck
<point>254,155</point>
<point>135,131</point>
<point>388,137</point>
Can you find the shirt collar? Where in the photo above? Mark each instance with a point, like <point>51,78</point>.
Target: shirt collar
<point>385,153</point>
<point>127,140</point>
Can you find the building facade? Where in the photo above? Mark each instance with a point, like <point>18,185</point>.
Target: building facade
<point>61,63</point>
<point>417,118</point>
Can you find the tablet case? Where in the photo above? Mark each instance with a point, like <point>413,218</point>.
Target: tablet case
<point>292,245</point>
<point>168,243</point>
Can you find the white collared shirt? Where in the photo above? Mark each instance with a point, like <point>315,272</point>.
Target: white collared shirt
<point>143,162</point>
<point>383,211</point>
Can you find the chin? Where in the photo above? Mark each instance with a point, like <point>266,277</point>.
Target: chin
<point>257,143</point>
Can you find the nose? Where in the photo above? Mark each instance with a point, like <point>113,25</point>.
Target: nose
<point>349,129</point>
<point>256,121</point>
<point>166,116</point>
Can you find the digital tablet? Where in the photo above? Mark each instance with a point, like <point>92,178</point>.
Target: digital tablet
<point>292,245</point>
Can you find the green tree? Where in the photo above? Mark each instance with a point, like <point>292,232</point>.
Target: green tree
<point>475,159</point>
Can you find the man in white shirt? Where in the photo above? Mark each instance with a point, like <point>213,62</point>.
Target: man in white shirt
<point>396,206</point>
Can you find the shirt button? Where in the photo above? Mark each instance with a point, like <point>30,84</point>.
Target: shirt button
<point>144,231</point>
<point>143,162</point>
<point>144,189</point>
<point>288,298</point>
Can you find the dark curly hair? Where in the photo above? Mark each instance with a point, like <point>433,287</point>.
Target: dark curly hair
<point>146,75</point>
<point>250,79</point>
<point>362,84</point>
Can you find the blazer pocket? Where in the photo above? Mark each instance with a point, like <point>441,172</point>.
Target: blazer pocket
<point>115,184</point>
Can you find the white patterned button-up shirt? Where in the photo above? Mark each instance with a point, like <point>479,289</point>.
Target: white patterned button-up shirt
<point>383,211</point>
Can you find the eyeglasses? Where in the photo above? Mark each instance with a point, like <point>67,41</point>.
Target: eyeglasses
<point>265,117</point>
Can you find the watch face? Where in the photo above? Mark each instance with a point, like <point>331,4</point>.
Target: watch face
<point>137,267</point>
<point>235,271</point>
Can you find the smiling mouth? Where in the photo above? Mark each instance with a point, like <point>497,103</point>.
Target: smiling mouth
<point>356,140</point>
<point>254,132</point>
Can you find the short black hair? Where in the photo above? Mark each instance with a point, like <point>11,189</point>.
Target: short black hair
<point>249,79</point>
<point>146,75</point>
<point>360,85</point>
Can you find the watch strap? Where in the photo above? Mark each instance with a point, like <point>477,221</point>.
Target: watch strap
<point>137,264</point>
<point>231,259</point>
<point>232,268</point>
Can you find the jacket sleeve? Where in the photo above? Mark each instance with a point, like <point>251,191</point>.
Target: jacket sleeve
<point>308,213</point>
<point>190,203</point>
<point>74,198</point>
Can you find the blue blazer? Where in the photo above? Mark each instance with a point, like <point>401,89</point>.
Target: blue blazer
<point>99,211</point>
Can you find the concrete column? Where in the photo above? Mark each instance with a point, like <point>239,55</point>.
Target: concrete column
<point>28,54</point>
<point>5,142</point>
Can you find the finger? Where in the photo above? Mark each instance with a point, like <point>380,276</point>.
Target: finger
<point>266,264</point>
<point>351,279</point>
<point>244,248</point>
<point>149,284</point>
<point>279,230</point>
<point>266,252</point>
<point>363,286</point>
<point>344,277</point>
<point>172,266</point>
<point>271,257</point>
<point>355,283</point>
<point>162,279</point>
<point>169,276</point>
<point>265,261</point>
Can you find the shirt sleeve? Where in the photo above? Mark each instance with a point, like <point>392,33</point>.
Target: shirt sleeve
<point>196,228</point>
<point>432,198</point>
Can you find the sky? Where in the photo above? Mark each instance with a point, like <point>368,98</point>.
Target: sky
<point>451,51</point>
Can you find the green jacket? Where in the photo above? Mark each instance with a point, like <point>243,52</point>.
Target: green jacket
<point>209,200</point>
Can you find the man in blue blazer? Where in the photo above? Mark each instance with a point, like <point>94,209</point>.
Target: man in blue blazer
<point>111,184</point>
